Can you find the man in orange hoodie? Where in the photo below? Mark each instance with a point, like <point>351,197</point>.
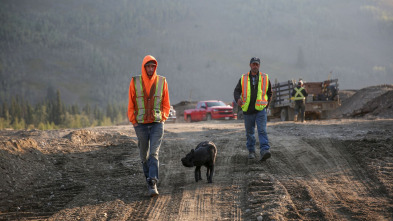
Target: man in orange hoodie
<point>148,108</point>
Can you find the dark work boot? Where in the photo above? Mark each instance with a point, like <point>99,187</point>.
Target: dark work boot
<point>303,118</point>
<point>265,155</point>
<point>152,187</point>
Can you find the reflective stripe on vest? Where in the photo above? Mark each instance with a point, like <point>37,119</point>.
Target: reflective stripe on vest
<point>154,114</point>
<point>140,112</point>
<point>262,99</point>
<point>158,98</point>
<point>245,87</point>
<point>299,95</point>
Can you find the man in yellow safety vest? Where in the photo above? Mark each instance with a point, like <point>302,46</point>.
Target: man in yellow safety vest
<point>252,94</point>
<point>299,95</point>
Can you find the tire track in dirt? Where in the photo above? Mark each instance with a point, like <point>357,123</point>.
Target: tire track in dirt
<point>302,186</point>
<point>293,164</point>
<point>325,183</point>
<point>199,200</point>
<point>181,198</point>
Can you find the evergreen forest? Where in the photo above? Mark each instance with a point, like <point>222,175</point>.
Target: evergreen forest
<point>52,113</point>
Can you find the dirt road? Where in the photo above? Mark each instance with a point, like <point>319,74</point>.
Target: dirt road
<point>320,170</point>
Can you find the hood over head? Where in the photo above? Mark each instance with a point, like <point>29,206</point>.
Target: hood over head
<point>147,59</point>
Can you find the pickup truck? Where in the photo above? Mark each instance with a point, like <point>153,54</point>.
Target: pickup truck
<point>208,110</point>
<point>322,98</point>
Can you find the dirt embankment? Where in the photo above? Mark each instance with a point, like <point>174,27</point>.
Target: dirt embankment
<point>371,102</point>
<point>339,169</point>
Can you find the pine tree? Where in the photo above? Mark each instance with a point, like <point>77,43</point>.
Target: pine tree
<point>87,109</point>
<point>57,109</point>
<point>98,114</point>
<point>15,109</point>
<point>74,109</point>
<point>4,111</point>
<point>41,114</point>
<point>110,112</point>
<point>29,119</point>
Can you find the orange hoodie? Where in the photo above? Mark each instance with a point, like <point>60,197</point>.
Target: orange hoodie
<point>147,83</point>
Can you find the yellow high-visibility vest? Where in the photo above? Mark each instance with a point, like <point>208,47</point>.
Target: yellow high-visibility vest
<point>299,95</point>
<point>262,99</point>
<point>148,108</point>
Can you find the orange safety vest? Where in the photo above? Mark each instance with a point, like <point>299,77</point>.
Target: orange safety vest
<point>262,99</point>
<point>149,108</point>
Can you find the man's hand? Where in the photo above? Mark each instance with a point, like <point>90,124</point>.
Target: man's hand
<point>240,102</point>
<point>136,124</point>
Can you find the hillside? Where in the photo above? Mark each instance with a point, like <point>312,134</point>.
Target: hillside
<point>89,49</point>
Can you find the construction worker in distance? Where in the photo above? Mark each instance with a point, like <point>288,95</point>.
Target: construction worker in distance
<point>299,95</point>
<point>252,93</point>
<point>148,108</point>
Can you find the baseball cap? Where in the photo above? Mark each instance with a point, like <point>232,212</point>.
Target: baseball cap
<point>151,63</point>
<point>255,60</point>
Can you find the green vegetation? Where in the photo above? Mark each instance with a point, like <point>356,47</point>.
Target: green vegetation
<point>53,114</point>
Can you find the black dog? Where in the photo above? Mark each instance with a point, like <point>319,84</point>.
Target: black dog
<point>203,155</point>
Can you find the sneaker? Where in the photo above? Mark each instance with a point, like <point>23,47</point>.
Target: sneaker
<point>251,155</point>
<point>265,155</point>
<point>152,187</point>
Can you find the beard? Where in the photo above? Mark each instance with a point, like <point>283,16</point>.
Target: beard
<point>255,70</point>
<point>150,74</point>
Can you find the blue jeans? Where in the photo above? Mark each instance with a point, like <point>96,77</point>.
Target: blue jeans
<point>260,119</point>
<point>149,142</point>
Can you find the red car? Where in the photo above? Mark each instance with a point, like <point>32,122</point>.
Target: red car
<point>208,110</point>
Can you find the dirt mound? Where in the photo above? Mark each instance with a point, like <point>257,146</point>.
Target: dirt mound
<point>19,145</point>
<point>21,163</point>
<point>82,136</point>
<point>32,165</point>
<point>89,137</point>
<point>381,106</point>
<point>345,94</point>
<point>366,101</point>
